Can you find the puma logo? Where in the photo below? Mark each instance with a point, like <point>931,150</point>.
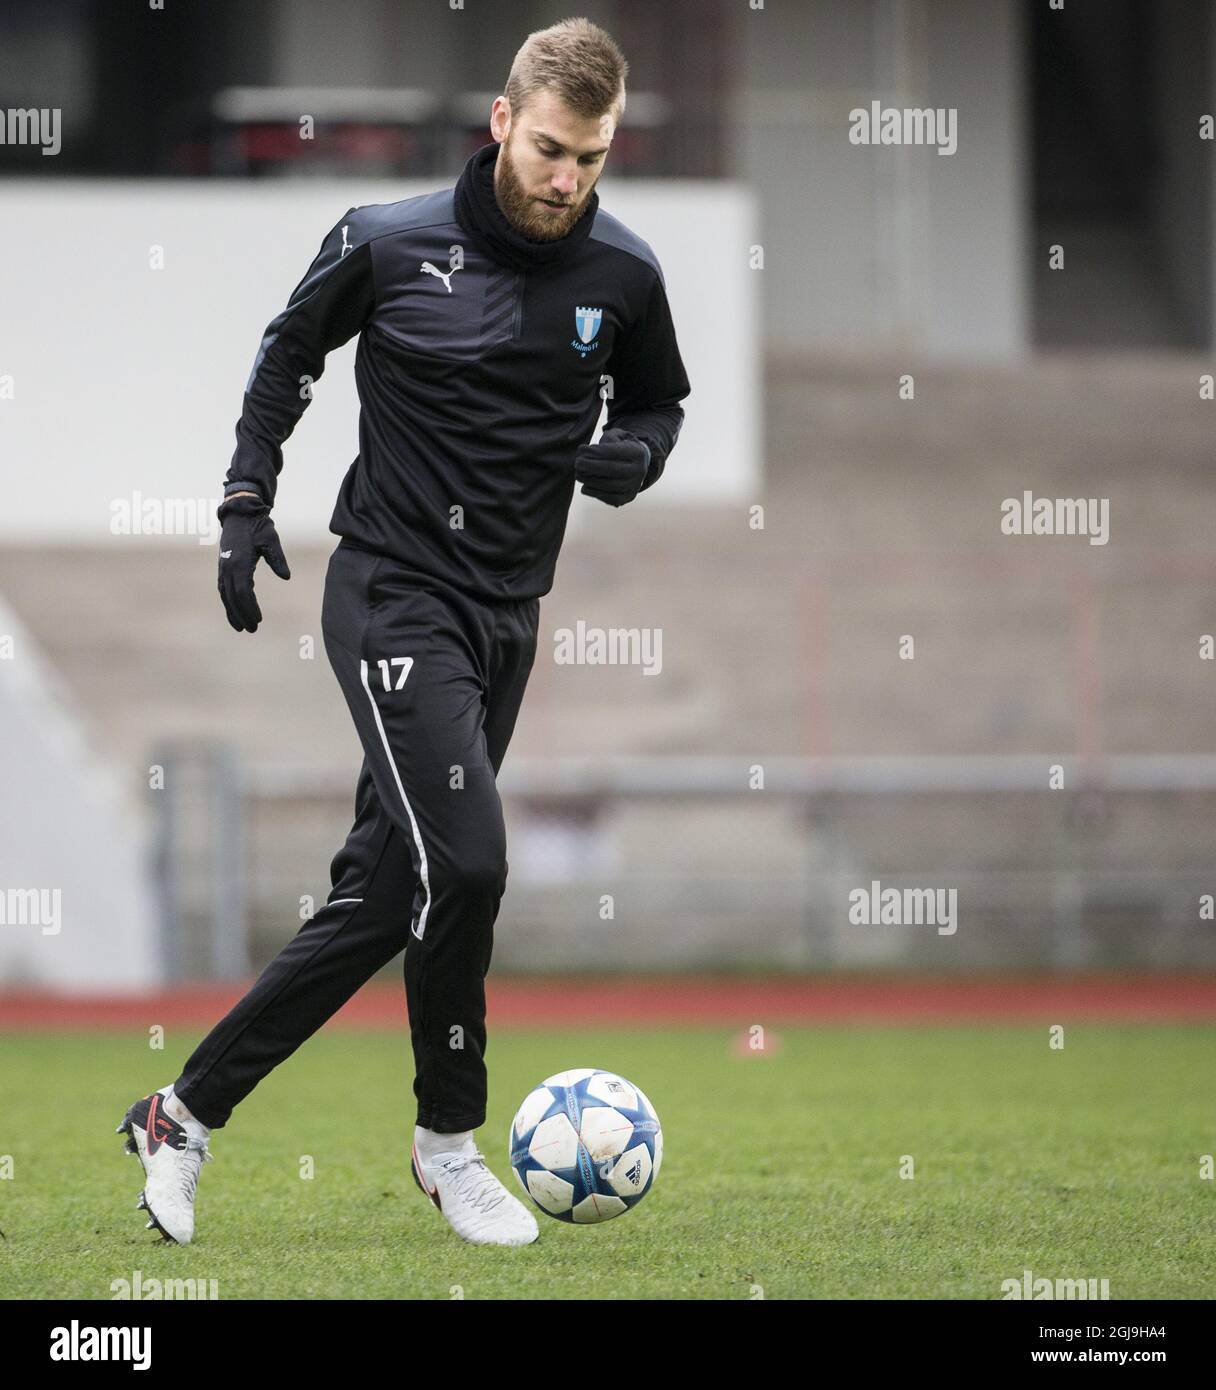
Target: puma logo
<point>447,279</point>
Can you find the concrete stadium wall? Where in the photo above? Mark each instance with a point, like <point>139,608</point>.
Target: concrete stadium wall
<point>887,248</point>
<point>75,904</point>
<point>883,519</point>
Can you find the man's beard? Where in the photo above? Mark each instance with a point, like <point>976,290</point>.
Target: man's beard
<point>520,208</point>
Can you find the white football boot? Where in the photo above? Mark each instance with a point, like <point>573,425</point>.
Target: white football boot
<point>477,1206</point>
<point>172,1154</point>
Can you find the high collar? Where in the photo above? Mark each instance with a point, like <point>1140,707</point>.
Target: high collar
<point>478,213</point>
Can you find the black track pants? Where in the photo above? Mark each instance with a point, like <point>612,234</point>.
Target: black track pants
<point>434,680</point>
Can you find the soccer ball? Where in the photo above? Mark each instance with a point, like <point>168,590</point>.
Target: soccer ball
<point>586,1145</point>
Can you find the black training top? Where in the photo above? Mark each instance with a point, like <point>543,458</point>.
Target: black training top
<point>482,364</point>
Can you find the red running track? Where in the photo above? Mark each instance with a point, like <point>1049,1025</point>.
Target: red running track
<point>689,1001</point>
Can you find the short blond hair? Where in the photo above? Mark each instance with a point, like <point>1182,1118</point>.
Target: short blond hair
<point>578,61</point>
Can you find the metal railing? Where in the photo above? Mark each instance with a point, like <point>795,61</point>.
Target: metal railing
<point>1068,906</point>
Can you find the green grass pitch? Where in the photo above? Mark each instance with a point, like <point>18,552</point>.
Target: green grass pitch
<point>781,1175</point>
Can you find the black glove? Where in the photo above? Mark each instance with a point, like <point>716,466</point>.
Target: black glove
<point>614,469</point>
<point>248,532</point>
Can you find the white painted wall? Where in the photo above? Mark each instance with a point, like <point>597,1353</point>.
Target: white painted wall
<point>128,379</point>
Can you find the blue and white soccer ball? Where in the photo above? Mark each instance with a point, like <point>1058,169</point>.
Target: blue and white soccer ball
<point>586,1145</point>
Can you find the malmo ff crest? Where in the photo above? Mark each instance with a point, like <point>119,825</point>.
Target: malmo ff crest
<point>587,324</point>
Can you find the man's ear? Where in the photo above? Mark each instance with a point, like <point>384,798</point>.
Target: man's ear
<point>500,119</point>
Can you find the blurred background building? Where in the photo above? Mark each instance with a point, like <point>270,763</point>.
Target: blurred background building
<point>884,342</point>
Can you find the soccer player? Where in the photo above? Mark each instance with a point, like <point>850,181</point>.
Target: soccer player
<point>494,318</point>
